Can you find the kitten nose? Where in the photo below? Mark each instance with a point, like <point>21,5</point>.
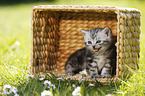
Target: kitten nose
<point>94,47</point>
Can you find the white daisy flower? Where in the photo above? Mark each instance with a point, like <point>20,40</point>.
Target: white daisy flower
<point>17,43</point>
<point>51,85</point>
<point>30,76</point>
<point>14,90</point>
<point>46,82</point>
<point>84,72</point>
<point>73,85</point>
<point>59,78</point>
<point>76,92</point>
<point>7,89</point>
<point>45,93</point>
<point>91,84</point>
<point>41,78</point>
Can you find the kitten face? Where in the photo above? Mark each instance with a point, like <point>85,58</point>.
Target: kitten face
<point>97,39</point>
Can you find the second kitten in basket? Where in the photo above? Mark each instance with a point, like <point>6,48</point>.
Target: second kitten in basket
<point>98,55</point>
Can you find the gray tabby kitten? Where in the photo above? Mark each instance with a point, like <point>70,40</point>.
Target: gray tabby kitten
<point>98,57</point>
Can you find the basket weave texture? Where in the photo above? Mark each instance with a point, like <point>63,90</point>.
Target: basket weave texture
<point>56,34</point>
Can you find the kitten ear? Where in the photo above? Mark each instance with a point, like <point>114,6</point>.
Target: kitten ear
<point>107,30</point>
<point>84,32</point>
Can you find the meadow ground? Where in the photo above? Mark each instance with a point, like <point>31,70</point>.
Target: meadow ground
<point>15,47</point>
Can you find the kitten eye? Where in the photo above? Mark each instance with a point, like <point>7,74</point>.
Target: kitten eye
<point>89,42</point>
<point>98,41</point>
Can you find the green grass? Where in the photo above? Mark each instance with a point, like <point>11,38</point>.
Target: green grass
<point>15,26</point>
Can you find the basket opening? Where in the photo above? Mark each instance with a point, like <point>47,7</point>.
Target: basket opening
<point>71,38</point>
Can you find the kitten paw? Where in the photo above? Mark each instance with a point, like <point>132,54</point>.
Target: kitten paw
<point>96,76</point>
<point>106,76</point>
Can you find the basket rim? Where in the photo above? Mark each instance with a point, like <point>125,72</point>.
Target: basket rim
<point>75,8</point>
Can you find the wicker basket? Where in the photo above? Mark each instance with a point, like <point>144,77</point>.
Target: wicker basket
<point>56,33</point>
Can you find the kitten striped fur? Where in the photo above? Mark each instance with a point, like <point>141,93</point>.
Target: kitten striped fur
<point>98,57</point>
